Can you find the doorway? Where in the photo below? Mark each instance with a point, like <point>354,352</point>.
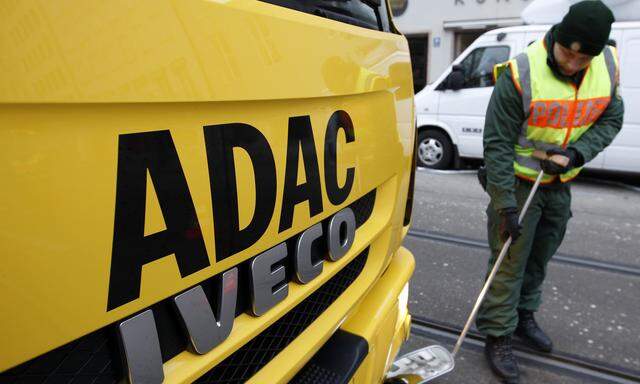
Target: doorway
<point>419,51</point>
<point>463,39</point>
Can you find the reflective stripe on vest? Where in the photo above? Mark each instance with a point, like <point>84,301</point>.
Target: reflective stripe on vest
<point>557,113</point>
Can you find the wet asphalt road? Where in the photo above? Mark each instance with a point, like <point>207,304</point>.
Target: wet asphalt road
<point>588,312</point>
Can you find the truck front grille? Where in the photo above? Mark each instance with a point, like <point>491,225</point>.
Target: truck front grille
<point>95,358</point>
<point>254,355</point>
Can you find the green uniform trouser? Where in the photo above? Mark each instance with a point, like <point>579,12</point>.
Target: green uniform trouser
<point>518,283</point>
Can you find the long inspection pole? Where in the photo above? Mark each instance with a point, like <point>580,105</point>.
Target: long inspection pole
<point>495,268</point>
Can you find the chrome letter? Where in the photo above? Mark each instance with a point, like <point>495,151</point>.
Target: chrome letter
<point>139,341</point>
<point>268,285</point>
<point>206,330</point>
<point>338,244</point>
<point>306,270</point>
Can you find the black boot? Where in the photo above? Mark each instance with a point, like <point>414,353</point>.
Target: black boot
<point>501,360</point>
<point>529,331</point>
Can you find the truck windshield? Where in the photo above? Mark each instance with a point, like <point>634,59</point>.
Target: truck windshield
<point>371,14</point>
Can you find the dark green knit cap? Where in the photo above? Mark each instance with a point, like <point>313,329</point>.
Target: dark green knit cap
<point>586,27</point>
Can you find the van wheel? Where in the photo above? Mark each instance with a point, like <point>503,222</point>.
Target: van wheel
<point>434,150</point>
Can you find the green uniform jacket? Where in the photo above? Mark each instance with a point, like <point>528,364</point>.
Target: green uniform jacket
<point>504,119</point>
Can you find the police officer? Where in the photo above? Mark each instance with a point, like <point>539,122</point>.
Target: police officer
<point>559,96</point>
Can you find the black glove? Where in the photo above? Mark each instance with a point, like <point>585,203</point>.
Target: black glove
<point>482,177</point>
<point>509,224</point>
<point>552,168</point>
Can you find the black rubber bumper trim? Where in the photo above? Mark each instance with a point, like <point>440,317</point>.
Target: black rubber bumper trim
<point>336,362</point>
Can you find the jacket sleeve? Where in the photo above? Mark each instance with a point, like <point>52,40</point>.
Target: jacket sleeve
<point>503,121</point>
<point>603,131</point>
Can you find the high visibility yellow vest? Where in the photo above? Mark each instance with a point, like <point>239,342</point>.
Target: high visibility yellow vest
<point>557,113</point>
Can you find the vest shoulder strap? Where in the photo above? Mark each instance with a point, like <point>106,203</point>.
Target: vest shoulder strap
<point>521,73</point>
<point>499,69</point>
<point>611,60</point>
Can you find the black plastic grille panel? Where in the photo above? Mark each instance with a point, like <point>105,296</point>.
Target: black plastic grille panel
<point>86,360</point>
<point>95,358</point>
<point>363,207</point>
<point>254,355</point>
<point>316,374</point>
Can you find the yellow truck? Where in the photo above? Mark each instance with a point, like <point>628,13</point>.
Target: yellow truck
<point>203,191</point>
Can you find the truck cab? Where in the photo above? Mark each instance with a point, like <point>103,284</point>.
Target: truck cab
<point>206,191</point>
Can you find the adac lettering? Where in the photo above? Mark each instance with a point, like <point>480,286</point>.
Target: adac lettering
<point>155,153</point>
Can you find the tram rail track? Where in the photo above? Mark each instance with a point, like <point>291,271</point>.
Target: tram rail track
<point>578,261</point>
<point>589,370</point>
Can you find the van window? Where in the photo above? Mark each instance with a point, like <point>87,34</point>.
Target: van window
<point>371,14</point>
<point>478,66</point>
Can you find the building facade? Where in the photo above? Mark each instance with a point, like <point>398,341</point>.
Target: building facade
<point>439,30</point>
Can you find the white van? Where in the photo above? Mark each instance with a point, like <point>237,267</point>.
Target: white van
<point>450,122</point>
